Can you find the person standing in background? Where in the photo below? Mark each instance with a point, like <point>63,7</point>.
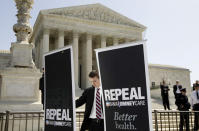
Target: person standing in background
<point>183,105</point>
<point>165,95</point>
<point>176,90</point>
<point>195,105</point>
<point>41,87</point>
<point>197,82</point>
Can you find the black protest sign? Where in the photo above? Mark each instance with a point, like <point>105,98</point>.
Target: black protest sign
<point>124,76</point>
<point>59,91</point>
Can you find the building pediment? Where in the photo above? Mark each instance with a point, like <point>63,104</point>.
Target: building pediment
<point>95,12</point>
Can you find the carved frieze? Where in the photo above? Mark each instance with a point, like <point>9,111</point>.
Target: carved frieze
<point>96,12</point>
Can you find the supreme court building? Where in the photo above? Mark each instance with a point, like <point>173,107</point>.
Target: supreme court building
<point>86,28</point>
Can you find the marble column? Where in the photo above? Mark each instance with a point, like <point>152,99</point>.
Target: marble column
<point>115,41</point>
<point>61,39</point>
<point>89,57</point>
<point>37,54</point>
<point>46,40</point>
<point>40,52</point>
<point>103,41</point>
<point>45,44</point>
<point>87,61</point>
<point>75,45</point>
<point>34,51</point>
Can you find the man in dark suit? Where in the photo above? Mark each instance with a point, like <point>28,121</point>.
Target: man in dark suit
<point>165,95</point>
<point>194,85</point>
<point>176,90</point>
<point>41,87</point>
<point>195,106</point>
<point>183,105</point>
<point>93,115</point>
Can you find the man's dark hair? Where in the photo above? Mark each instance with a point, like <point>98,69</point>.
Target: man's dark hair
<point>93,74</point>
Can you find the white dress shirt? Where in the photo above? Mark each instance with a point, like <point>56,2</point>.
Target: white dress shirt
<point>93,111</point>
<point>178,90</point>
<point>194,99</point>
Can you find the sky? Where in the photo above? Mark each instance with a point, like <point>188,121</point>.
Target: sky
<point>172,26</point>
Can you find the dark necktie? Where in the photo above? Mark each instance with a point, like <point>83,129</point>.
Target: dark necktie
<point>98,104</point>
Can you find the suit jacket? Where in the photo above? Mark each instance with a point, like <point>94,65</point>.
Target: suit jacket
<point>86,98</point>
<point>175,88</point>
<point>41,87</point>
<point>164,90</point>
<point>183,103</point>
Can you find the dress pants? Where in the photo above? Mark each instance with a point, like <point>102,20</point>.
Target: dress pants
<point>165,100</point>
<point>177,95</point>
<point>196,116</point>
<point>184,117</point>
<point>96,125</point>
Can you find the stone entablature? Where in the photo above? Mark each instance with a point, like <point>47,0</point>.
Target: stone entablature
<point>92,27</point>
<point>167,67</point>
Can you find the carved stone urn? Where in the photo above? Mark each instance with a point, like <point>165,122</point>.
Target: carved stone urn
<point>21,50</point>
